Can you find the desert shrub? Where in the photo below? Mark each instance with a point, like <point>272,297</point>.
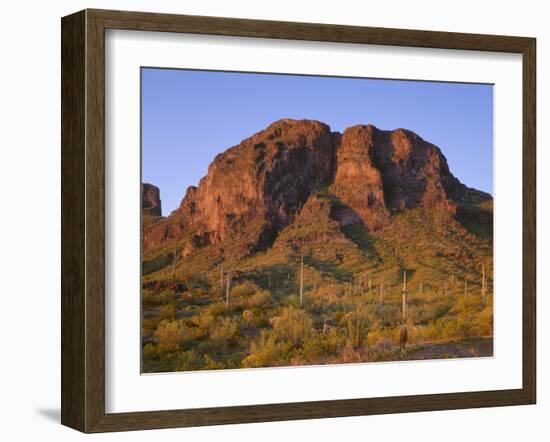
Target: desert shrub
<point>233,359</point>
<point>383,345</point>
<point>198,292</point>
<point>426,312</point>
<point>211,364</point>
<point>468,305</point>
<point>430,332</point>
<point>483,325</point>
<point>223,329</point>
<point>430,296</point>
<point>459,327</point>
<point>203,321</point>
<point>168,361</point>
<point>148,325</point>
<point>180,361</point>
<point>325,295</point>
<point>389,315</point>
<point>266,351</point>
<point>357,324</point>
<point>150,298</point>
<point>196,297</point>
<point>168,336</point>
<point>248,317</point>
<point>188,360</point>
<point>380,337</point>
<point>168,311</point>
<point>293,325</point>
<point>245,289</point>
<point>322,344</point>
<point>465,327</point>
<point>351,355</point>
<point>147,297</point>
<point>150,351</point>
<point>337,315</point>
<point>215,309</point>
<point>191,332</point>
<point>261,298</point>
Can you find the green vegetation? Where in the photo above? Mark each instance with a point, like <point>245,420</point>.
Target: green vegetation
<point>353,298</point>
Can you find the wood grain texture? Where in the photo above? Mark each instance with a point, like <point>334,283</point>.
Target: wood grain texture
<point>95,222</point>
<point>145,21</point>
<point>83,220</point>
<point>73,128</point>
<point>529,221</point>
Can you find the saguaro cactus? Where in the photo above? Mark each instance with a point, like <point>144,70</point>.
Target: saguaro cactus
<point>403,336</point>
<point>228,290</point>
<point>302,280</point>
<point>465,287</point>
<point>221,277</point>
<point>420,290</point>
<point>483,284</point>
<point>174,261</point>
<point>404,294</point>
<point>381,294</point>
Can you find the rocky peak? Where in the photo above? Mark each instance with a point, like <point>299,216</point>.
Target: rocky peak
<point>255,189</point>
<point>150,200</point>
<point>358,182</point>
<point>379,171</point>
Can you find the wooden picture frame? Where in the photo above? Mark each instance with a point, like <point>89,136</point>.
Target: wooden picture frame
<point>83,220</point>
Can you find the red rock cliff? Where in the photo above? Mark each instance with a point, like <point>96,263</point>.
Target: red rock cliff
<point>256,188</point>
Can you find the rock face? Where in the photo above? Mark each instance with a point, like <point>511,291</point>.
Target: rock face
<point>150,200</point>
<point>254,190</point>
<point>358,182</point>
<point>378,172</point>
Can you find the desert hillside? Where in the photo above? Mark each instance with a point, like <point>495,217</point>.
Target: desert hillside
<point>306,246</point>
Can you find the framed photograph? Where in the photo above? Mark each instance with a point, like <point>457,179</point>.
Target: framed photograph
<point>268,221</point>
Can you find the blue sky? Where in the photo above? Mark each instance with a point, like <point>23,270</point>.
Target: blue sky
<point>188,117</point>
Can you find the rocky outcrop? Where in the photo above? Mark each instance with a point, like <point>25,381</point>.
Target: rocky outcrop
<point>150,200</point>
<point>358,182</point>
<point>378,172</point>
<point>255,189</point>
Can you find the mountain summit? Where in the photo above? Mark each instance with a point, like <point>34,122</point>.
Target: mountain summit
<point>365,176</point>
